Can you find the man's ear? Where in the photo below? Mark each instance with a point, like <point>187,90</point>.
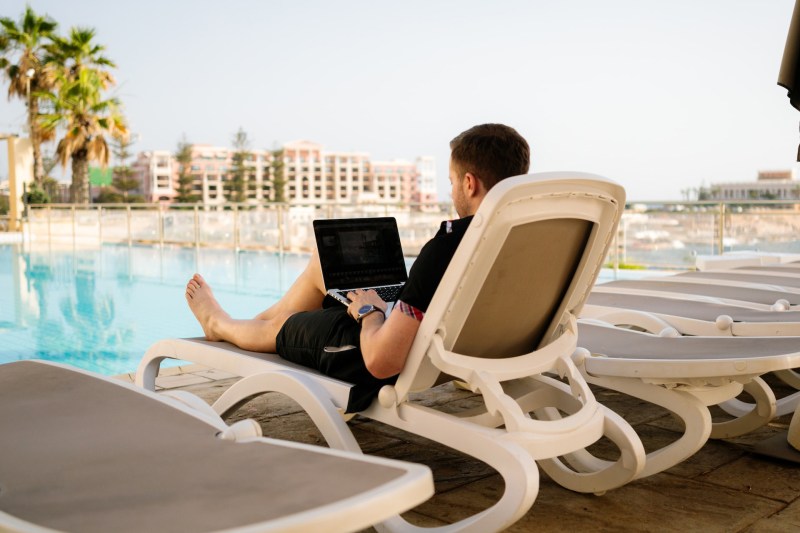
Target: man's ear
<point>473,184</point>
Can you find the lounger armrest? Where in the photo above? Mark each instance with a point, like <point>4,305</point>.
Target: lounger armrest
<point>536,362</point>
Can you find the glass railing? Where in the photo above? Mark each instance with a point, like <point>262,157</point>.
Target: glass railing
<point>278,227</point>
<point>672,234</point>
<point>657,235</point>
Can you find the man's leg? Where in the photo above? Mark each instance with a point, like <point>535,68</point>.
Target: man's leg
<point>259,333</point>
<point>305,294</point>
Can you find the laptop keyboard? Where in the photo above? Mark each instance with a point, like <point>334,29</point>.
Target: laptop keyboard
<point>388,293</point>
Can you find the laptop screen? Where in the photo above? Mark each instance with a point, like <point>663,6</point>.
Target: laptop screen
<point>360,252</point>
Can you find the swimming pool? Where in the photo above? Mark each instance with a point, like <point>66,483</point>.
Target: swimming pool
<point>101,308</point>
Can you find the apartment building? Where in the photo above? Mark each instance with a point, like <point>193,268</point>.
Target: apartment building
<point>154,170</point>
<point>311,175</point>
<point>769,185</point>
<point>210,168</point>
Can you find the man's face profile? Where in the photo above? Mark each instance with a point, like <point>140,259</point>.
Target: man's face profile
<point>457,191</point>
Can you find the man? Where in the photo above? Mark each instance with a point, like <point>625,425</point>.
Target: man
<point>358,343</point>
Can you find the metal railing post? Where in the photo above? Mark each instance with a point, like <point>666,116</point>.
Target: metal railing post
<point>161,226</point>
<point>721,230</point>
<point>73,226</point>
<point>128,222</point>
<point>196,226</point>
<point>615,260</point>
<point>281,243</point>
<point>236,228</point>
<point>100,224</point>
<point>624,241</point>
<point>49,229</point>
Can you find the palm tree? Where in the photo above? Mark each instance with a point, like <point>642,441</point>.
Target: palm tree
<point>78,53</point>
<point>28,73</point>
<point>79,107</point>
<point>88,119</point>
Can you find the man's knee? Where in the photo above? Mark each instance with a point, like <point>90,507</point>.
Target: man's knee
<point>313,272</point>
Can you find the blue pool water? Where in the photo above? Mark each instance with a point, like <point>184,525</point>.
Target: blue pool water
<point>101,308</point>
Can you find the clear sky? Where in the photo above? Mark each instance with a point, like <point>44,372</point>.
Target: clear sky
<point>658,95</point>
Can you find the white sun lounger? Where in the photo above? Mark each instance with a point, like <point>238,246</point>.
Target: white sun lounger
<point>740,277</point>
<point>788,269</point>
<point>708,303</point>
<point>752,296</point>
<point>503,316</point>
<point>690,316</point>
<point>744,258</point>
<point>80,452</point>
<point>685,375</point>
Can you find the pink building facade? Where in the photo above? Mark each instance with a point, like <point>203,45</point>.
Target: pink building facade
<point>311,175</point>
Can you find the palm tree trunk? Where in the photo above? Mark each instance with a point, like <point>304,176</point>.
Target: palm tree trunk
<point>80,177</point>
<point>36,143</point>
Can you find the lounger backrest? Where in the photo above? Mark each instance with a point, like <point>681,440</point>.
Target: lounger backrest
<point>533,272</point>
<point>522,271</point>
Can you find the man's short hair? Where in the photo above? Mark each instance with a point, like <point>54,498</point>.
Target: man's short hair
<point>491,152</point>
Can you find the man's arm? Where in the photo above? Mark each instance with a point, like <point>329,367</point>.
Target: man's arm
<point>385,343</point>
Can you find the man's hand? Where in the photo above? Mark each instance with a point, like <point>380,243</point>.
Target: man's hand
<point>359,298</point>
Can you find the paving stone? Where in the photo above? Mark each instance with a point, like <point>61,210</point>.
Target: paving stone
<point>268,405</point>
<point>179,380</point>
<point>786,520</point>
<point>295,427</point>
<point>450,468</point>
<point>210,391</point>
<point>661,503</point>
<point>127,378</point>
<point>756,475</point>
<point>720,488</point>
<point>634,410</point>
<point>416,519</point>
<point>213,373</point>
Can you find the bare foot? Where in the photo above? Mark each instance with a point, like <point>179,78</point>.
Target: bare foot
<point>204,306</point>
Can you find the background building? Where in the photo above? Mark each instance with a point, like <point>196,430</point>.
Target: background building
<point>769,185</point>
<point>309,175</point>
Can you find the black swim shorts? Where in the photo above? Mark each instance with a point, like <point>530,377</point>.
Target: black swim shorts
<point>328,340</point>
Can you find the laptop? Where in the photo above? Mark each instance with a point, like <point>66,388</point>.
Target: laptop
<point>361,253</point>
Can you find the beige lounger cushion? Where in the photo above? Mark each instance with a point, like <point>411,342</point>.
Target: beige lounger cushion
<point>690,309</point>
<point>732,292</point>
<point>78,453</point>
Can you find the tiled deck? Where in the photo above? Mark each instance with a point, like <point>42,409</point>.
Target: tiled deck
<point>722,488</point>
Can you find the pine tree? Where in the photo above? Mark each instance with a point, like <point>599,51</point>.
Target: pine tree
<point>185,180</point>
<point>278,176</point>
<point>237,182</point>
<point>124,182</point>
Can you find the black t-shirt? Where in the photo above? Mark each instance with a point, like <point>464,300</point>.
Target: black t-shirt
<point>430,265</point>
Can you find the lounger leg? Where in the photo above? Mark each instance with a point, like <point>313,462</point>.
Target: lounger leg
<point>688,407</point>
<point>583,472</point>
<point>790,377</point>
<point>313,398</point>
<point>150,364</point>
<point>512,462</point>
<point>148,372</point>
<point>749,416</point>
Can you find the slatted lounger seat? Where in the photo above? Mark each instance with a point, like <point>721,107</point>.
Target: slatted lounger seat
<point>79,452</point>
